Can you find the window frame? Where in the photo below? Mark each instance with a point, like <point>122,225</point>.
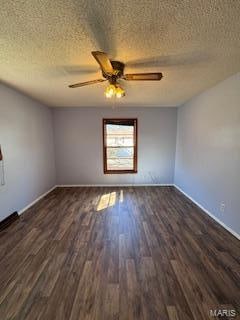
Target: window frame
<point>135,148</point>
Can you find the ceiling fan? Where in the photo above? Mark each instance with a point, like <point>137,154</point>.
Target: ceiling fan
<point>112,71</point>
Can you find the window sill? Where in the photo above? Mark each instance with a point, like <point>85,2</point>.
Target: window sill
<point>119,171</point>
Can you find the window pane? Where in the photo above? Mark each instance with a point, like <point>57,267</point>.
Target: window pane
<point>120,140</point>
<point>113,128</point>
<point>119,135</point>
<point>119,153</point>
<point>119,164</point>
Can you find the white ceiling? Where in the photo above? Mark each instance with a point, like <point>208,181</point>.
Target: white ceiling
<point>45,45</point>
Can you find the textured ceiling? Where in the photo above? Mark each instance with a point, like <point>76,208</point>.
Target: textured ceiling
<point>45,45</point>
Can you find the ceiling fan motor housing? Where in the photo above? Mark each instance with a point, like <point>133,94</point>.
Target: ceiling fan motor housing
<point>118,71</point>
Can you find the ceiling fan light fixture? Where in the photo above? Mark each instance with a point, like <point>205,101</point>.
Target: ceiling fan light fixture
<point>114,91</point>
<point>119,92</point>
<point>110,91</point>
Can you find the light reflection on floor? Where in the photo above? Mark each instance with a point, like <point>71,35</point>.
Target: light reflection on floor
<point>109,200</point>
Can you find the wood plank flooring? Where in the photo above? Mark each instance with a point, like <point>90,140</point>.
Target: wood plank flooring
<point>117,253</point>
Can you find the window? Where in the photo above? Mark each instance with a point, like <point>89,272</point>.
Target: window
<point>120,145</point>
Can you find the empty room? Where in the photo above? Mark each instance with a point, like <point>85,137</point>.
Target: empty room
<point>119,160</point>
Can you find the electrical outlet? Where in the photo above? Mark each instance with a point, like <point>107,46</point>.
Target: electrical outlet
<point>222,206</point>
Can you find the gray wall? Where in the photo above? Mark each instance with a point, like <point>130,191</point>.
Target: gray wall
<point>208,150</point>
<point>79,147</point>
<point>26,137</point>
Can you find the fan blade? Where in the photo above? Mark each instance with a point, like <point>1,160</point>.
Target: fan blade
<point>86,83</point>
<point>143,76</point>
<point>103,61</point>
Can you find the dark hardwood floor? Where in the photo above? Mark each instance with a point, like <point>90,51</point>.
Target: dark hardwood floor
<point>117,253</point>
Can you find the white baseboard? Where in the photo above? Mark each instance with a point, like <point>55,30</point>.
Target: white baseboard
<point>115,185</point>
<point>36,200</point>
<point>234,233</point>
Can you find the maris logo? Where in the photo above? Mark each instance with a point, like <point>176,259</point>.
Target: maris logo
<point>223,313</point>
